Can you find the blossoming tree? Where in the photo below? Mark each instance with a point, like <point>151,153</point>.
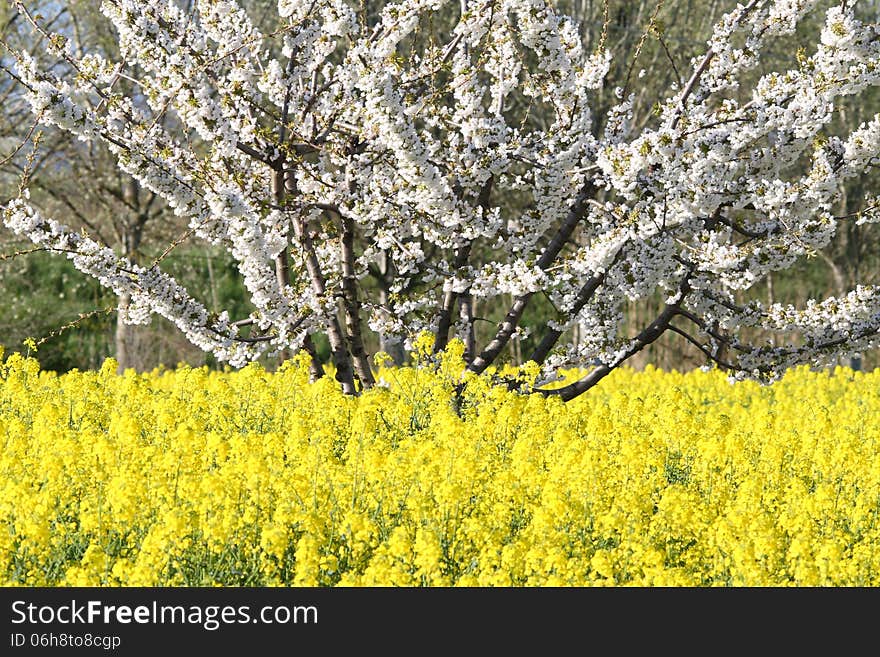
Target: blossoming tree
<point>342,140</point>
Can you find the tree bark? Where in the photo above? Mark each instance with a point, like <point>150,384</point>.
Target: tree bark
<point>338,349</point>
<point>647,336</point>
<point>390,344</point>
<point>444,322</point>
<point>315,369</point>
<point>466,312</point>
<point>551,337</point>
<point>282,275</point>
<point>511,320</point>
<point>125,338</point>
<point>462,255</point>
<point>129,339</point>
<point>352,306</point>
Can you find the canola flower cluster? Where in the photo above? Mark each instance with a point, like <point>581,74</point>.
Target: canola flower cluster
<point>250,477</point>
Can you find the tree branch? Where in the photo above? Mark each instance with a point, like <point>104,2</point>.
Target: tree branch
<point>646,337</point>
<point>511,320</point>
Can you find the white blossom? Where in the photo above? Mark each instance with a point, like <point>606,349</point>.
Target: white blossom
<point>345,145</point>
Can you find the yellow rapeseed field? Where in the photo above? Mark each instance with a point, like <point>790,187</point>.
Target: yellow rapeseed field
<point>197,477</point>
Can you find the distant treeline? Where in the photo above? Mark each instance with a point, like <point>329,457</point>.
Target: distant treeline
<point>72,319</point>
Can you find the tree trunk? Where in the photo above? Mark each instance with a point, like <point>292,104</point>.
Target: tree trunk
<point>390,344</point>
<point>282,275</point>
<point>125,338</point>
<point>282,272</point>
<point>352,306</point>
<point>338,349</point>
<point>466,312</point>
